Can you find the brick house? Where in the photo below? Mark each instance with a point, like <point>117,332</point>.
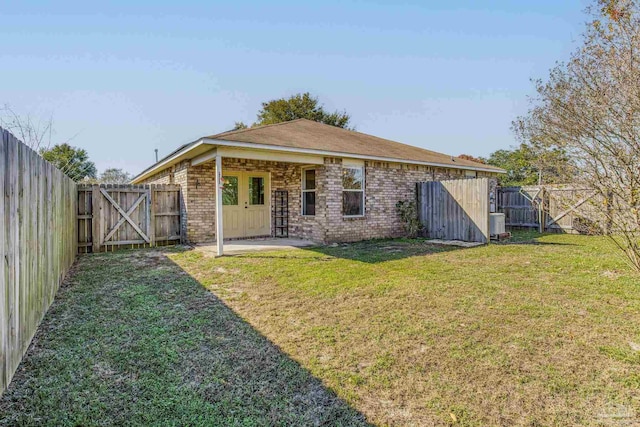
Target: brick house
<point>300,179</point>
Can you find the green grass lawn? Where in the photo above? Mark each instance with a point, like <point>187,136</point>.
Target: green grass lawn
<point>542,332</point>
<point>131,339</point>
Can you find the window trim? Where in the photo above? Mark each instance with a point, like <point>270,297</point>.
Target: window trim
<point>362,190</point>
<point>303,190</point>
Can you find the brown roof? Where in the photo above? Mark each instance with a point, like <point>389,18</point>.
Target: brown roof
<point>307,134</point>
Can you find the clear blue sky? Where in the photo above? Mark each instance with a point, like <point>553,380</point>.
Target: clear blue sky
<point>128,78</point>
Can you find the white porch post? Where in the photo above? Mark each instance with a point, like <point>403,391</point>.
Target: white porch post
<point>219,225</point>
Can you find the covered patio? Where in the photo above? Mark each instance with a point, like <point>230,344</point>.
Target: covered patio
<point>237,247</point>
<point>262,199</point>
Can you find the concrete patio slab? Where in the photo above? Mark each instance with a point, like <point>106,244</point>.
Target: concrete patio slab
<point>236,247</point>
<point>459,243</point>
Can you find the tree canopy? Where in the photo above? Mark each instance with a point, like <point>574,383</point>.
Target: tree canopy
<point>472,158</point>
<point>299,106</point>
<point>73,161</point>
<point>115,176</point>
<point>529,165</point>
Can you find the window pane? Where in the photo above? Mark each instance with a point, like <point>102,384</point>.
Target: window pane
<point>256,191</point>
<point>230,191</point>
<point>352,178</point>
<point>352,203</point>
<point>309,203</point>
<point>309,179</point>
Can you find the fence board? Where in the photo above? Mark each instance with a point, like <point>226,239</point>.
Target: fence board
<point>37,245</point>
<point>455,209</point>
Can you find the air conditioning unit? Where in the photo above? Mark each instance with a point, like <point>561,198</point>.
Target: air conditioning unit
<point>497,228</point>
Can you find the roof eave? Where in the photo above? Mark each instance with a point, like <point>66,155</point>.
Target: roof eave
<point>239,144</point>
<point>166,162</point>
<point>182,155</point>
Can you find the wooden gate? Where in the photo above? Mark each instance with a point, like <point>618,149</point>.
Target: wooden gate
<point>455,209</point>
<point>111,216</point>
<point>556,208</point>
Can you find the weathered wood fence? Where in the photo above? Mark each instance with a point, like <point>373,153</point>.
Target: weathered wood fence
<point>455,209</point>
<point>552,208</point>
<point>37,245</point>
<point>112,216</point>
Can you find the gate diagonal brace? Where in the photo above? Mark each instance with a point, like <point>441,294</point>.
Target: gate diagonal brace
<point>125,216</point>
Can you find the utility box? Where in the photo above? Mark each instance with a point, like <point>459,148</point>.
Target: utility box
<point>497,228</point>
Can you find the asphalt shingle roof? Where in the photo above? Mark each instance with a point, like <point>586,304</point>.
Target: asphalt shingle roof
<point>308,134</point>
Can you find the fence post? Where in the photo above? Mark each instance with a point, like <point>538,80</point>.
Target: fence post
<point>151,215</point>
<point>95,218</point>
<point>541,218</point>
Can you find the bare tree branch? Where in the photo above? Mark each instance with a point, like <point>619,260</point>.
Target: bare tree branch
<point>590,108</point>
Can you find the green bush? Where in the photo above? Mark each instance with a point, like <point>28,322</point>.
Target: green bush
<point>408,211</point>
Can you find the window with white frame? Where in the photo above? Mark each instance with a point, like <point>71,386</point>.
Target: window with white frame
<point>308,191</point>
<point>353,191</point>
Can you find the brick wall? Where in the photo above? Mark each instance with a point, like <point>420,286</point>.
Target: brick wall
<point>385,185</point>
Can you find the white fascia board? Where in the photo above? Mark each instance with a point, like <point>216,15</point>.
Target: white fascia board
<point>204,157</point>
<point>165,163</point>
<point>223,143</point>
<point>253,154</point>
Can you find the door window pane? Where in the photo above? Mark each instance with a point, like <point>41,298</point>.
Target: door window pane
<point>256,190</point>
<point>230,191</point>
<point>352,203</point>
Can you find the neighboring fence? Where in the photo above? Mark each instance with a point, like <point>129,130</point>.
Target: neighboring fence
<point>519,205</point>
<point>37,245</point>
<point>111,216</point>
<point>455,209</point>
<point>555,208</point>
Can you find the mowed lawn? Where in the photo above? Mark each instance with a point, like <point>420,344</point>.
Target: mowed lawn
<point>131,339</point>
<point>545,331</point>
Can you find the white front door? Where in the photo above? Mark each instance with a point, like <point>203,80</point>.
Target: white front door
<point>246,204</point>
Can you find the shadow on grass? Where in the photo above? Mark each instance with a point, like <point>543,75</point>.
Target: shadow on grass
<point>382,250</point>
<point>133,339</point>
<point>368,251</point>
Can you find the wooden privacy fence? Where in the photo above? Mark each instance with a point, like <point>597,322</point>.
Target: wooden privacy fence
<point>111,216</point>
<point>557,208</point>
<point>37,245</point>
<point>455,209</point>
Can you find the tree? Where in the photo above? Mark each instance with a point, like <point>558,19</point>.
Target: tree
<point>590,109</point>
<point>34,133</point>
<point>239,126</point>
<point>115,176</point>
<point>518,163</point>
<point>74,162</point>
<point>472,158</point>
<point>528,165</point>
<point>300,106</point>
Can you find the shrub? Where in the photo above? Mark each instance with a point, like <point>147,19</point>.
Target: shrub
<point>408,211</point>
